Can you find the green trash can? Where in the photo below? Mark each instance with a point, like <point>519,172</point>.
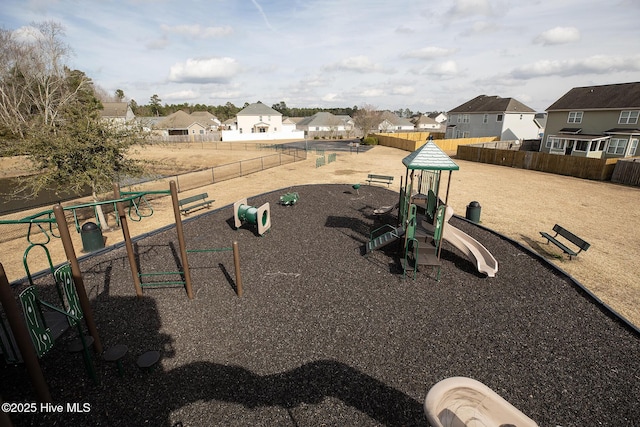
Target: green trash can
<point>91,235</point>
<point>473,212</point>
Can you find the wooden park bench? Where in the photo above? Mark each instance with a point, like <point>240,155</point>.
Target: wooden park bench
<point>194,202</point>
<point>560,231</point>
<point>383,179</point>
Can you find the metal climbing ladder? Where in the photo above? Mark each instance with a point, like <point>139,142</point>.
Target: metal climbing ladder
<point>384,239</point>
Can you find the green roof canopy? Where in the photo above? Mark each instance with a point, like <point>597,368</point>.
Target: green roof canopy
<point>430,157</point>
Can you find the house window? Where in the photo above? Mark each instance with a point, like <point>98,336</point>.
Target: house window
<point>485,118</point>
<point>558,143</point>
<point>617,146</point>
<point>260,118</point>
<point>598,145</point>
<point>262,130</point>
<point>582,145</point>
<point>575,117</point>
<point>465,118</point>
<point>499,118</point>
<point>634,147</point>
<point>628,117</point>
<point>459,118</point>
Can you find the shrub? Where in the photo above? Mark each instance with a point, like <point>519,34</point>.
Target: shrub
<point>370,140</point>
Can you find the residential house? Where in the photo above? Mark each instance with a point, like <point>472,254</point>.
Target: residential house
<point>505,118</point>
<point>288,124</point>
<point>148,123</point>
<point>259,122</point>
<point>325,124</point>
<point>424,123</point>
<point>181,123</point>
<point>119,113</point>
<point>230,124</point>
<point>392,123</point>
<point>595,121</point>
<point>438,117</point>
<point>259,118</point>
<point>206,118</point>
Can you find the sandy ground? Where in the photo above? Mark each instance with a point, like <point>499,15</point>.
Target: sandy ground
<point>517,203</point>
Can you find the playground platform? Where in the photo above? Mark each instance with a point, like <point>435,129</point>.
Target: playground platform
<point>323,334</point>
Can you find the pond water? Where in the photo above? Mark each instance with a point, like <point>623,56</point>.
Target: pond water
<point>46,199</point>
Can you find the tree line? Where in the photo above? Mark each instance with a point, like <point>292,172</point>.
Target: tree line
<point>229,110</point>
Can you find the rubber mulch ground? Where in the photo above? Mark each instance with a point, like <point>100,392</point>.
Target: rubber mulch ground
<point>326,336</point>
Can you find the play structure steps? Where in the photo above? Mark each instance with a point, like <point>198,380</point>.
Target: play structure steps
<point>384,239</point>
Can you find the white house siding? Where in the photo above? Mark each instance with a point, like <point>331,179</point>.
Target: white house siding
<point>511,127</point>
<point>519,126</point>
<point>247,123</point>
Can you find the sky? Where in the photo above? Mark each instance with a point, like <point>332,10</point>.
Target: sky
<point>424,55</point>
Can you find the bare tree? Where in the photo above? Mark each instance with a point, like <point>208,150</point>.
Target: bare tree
<point>367,118</point>
<point>51,114</point>
<point>33,77</point>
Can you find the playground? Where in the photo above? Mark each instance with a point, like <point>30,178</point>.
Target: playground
<point>325,334</point>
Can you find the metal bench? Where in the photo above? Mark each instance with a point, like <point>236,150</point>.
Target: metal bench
<point>383,179</point>
<point>194,202</point>
<point>560,231</point>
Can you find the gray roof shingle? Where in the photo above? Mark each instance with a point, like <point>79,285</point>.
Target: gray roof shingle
<point>258,109</point>
<point>614,96</point>
<point>492,104</point>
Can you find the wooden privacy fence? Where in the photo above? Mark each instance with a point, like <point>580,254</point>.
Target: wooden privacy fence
<point>411,141</point>
<point>627,171</point>
<point>580,167</point>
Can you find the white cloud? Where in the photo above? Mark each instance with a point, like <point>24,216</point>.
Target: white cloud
<point>181,95</point>
<point>598,64</point>
<point>429,52</point>
<point>196,31</point>
<point>229,94</point>
<point>466,8</point>
<point>329,97</point>
<point>358,64</point>
<point>403,90</point>
<point>482,27</point>
<point>558,35</point>
<point>443,69</point>
<point>370,93</point>
<point>26,34</point>
<point>204,70</point>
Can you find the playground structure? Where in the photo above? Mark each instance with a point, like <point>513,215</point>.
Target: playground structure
<point>461,401</point>
<point>259,216</point>
<point>425,166</point>
<point>29,329</point>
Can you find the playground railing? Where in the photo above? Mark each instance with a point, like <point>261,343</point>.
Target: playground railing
<point>156,187</point>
